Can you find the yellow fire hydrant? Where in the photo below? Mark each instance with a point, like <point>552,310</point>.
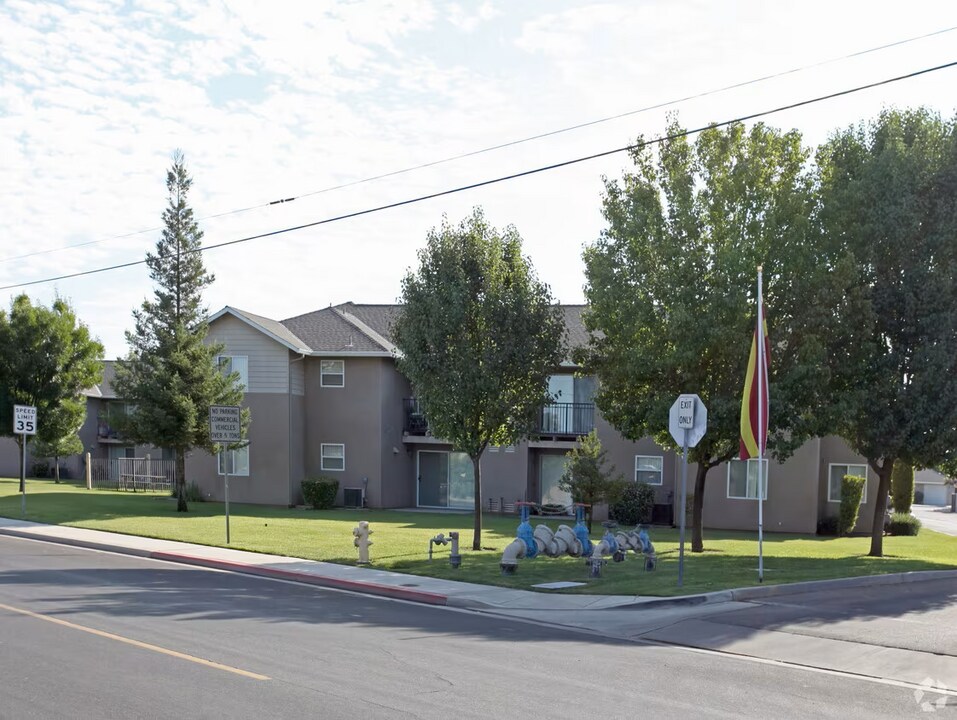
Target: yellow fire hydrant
<point>362,541</point>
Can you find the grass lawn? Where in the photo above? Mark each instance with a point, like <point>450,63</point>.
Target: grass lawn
<point>401,542</point>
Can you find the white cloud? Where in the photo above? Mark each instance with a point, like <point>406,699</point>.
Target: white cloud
<point>94,96</point>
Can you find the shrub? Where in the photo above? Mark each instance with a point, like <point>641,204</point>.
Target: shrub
<point>903,524</point>
<point>827,526</point>
<point>852,490</point>
<point>320,492</point>
<point>634,504</point>
<point>902,487</point>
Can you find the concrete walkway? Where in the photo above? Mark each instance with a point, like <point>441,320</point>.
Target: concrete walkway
<point>769,622</point>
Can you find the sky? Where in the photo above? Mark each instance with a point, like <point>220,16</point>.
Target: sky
<point>270,101</point>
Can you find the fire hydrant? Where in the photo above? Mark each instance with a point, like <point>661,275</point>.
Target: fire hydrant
<point>362,541</point>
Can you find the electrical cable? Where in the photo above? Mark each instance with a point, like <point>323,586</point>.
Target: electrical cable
<point>501,146</point>
<point>513,176</point>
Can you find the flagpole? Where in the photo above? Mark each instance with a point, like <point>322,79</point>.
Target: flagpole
<point>761,429</point>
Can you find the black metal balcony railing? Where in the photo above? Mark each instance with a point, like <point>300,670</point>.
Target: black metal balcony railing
<point>555,420</point>
<point>415,422</point>
<point>567,419</point>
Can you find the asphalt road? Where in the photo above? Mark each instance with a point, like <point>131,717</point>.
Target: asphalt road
<point>85,634</point>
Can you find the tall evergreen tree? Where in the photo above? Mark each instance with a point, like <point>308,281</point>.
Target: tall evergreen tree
<point>170,374</point>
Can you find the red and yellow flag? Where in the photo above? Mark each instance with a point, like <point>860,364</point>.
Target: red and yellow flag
<point>750,412</point>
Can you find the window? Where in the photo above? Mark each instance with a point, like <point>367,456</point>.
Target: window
<point>649,469</point>
<point>235,461</point>
<point>235,364</point>
<point>743,479</point>
<point>332,373</point>
<point>333,457</point>
<point>836,473</point>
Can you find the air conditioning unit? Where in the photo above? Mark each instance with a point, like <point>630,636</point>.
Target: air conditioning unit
<point>353,497</point>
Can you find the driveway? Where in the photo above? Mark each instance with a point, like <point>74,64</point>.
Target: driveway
<point>936,518</point>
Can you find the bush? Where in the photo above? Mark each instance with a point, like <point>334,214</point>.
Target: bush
<point>903,524</point>
<point>634,504</point>
<point>902,487</point>
<point>919,497</point>
<point>852,490</point>
<point>320,492</point>
<point>827,526</point>
<point>40,469</point>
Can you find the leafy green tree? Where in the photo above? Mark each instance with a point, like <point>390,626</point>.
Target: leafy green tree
<point>672,297</point>
<point>58,435</point>
<point>47,358</point>
<point>586,476</point>
<point>170,375</point>
<point>889,205</point>
<point>478,337</point>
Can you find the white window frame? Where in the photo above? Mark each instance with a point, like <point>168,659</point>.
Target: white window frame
<point>661,472</point>
<point>323,374</point>
<point>243,374</point>
<point>747,472</point>
<point>323,457</point>
<point>243,470</point>
<point>847,466</point>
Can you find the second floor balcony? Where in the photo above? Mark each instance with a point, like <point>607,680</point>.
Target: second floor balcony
<point>566,420</point>
<point>555,421</point>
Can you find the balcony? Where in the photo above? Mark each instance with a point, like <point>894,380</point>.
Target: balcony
<point>566,420</point>
<point>555,421</point>
<point>414,422</point>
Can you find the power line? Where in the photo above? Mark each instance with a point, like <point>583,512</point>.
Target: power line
<point>510,143</point>
<point>513,176</point>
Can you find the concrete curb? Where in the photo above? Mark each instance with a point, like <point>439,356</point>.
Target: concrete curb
<point>74,542</point>
<point>369,588</point>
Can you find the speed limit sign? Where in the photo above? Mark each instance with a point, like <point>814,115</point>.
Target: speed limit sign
<point>24,420</point>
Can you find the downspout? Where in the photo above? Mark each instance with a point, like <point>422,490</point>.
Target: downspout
<point>302,356</point>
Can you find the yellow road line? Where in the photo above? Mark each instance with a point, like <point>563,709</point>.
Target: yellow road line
<point>136,643</point>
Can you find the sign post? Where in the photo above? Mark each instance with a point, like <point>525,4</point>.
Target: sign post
<point>225,428</point>
<point>687,423</point>
<point>24,423</point>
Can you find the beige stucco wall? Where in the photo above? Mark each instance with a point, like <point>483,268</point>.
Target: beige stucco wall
<point>395,480</point>
<point>350,415</point>
<point>791,505</point>
<point>268,479</point>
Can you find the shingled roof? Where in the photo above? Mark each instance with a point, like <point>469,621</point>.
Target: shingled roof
<point>350,328</point>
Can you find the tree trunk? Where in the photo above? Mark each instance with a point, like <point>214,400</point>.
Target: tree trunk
<point>697,519</point>
<point>477,527</point>
<point>880,507</point>
<point>56,469</point>
<point>181,505</point>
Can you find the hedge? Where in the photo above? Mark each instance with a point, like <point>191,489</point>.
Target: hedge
<point>852,490</point>
<point>320,492</point>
